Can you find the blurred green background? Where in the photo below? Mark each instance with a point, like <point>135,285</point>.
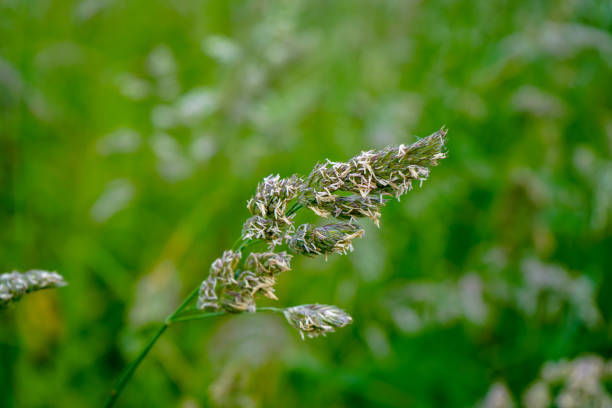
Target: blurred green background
<point>132,134</point>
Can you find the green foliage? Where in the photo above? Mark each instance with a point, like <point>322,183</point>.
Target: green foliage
<point>133,133</point>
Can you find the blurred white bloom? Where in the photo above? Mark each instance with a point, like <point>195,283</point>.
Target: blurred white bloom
<point>417,305</point>
<point>190,402</point>
<point>550,39</point>
<point>13,89</point>
<point>377,341</point>
<point>168,87</point>
<point>202,148</point>
<point>545,291</point>
<point>579,384</point>
<point>162,65</point>
<point>537,396</point>
<point>161,62</point>
<point>537,189</point>
<point>406,319</point>
<point>60,54</point>
<point>602,206</point>
<point>164,116</point>
<point>172,164</point>
<point>277,113</point>
<point>116,196</point>
<point>132,87</point>
<point>608,127</point>
<point>498,396</point>
<point>123,140</point>
<point>496,258</point>
<point>552,285</point>
<point>255,77</point>
<point>196,105</point>
<point>585,161</point>
<point>565,40</point>
<point>87,9</point>
<point>471,288</point>
<point>598,173</point>
<point>221,48</point>
<point>529,99</point>
<point>11,82</point>
<point>39,106</point>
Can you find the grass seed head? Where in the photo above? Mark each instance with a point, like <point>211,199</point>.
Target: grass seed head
<point>273,231</point>
<point>222,274</point>
<point>272,196</point>
<point>346,191</point>
<point>316,320</point>
<point>331,238</point>
<point>373,173</point>
<point>14,285</point>
<point>268,263</point>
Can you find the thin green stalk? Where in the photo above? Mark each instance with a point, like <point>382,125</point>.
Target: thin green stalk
<point>294,209</point>
<point>270,309</point>
<point>128,372</point>
<point>238,243</point>
<point>200,316</point>
<point>186,302</point>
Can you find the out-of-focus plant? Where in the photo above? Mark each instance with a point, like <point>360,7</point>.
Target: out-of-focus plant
<point>571,384</point>
<point>348,190</point>
<point>577,383</point>
<point>14,285</point>
<point>498,396</point>
<point>542,294</point>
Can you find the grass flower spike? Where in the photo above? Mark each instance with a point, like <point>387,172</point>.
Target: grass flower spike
<point>346,191</point>
<point>14,285</point>
<point>371,176</point>
<point>233,289</point>
<point>222,274</point>
<point>272,196</point>
<point>348,207</point>
<point>268,263</point>
<point>316,320</point>
<point>331,238</point>
<point>270,220</point>
<point>258,227</point>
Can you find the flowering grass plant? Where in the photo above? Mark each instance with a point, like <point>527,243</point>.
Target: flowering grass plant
<point>346,191</point>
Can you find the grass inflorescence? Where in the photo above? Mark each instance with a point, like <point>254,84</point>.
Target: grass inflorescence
<point>346,191</point>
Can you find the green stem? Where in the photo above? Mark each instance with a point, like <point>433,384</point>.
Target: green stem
<point>270,309</point>
<point>188,318</point>
<point>294,209</point>
<point>186,302</point>
<point>200,316</point>
<point>237,244</point>
<point>128,372</point>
